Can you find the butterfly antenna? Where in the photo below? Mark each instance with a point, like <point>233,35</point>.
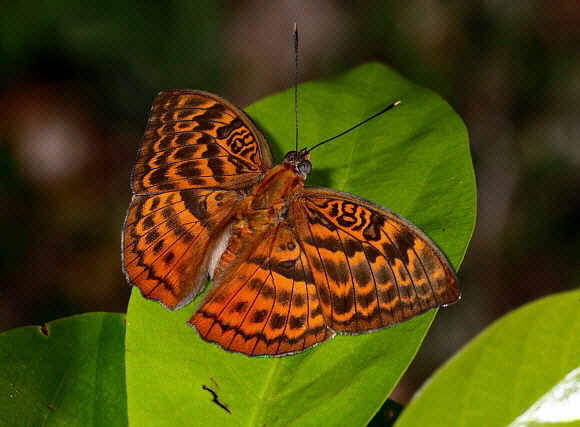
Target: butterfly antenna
<point>355,126</point>
<point>296,79</point>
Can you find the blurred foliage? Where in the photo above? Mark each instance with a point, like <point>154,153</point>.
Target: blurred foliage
<point>77,81</point>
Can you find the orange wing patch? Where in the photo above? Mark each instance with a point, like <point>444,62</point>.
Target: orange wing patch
<point>372,268</point>
<point>266,303</point>
<point>197,140</point>
<point>160,232</point>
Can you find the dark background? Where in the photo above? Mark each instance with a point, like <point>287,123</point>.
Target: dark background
<point>77,81</point>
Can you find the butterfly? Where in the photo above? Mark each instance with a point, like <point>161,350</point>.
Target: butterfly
<point>292,265</point>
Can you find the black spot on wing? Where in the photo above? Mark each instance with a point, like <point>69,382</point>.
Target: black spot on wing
<point>255,284</point>
<point>186,153</point>
<point>239,307</point>
<point>158,246</point>
<point>351,247</point>
<point>168,258</point>
<point>316,312</point>
<point>148,222</point>
<point>259,316</point>
<point>212,113</point>
<point>362,274</point>
<point>194,204</point>
<point>372,231</point>
<point>155,202</point>
<point>296,322</point>
<point>189,169</point>
<point>283,297</point>
<point>159,175</point>
<point>203,125</point>
<point>167,212</point>
<point>298,300</point>
<point>241,165</point>
<point>211,150</point>
<point>277,321</point>
<point>268,292</point>
<point>337,271</point>
<point>151,236</point>
<point>372,253</point>
<point>324,296</point>
<point>398,246</point>
<point>342,304</point>
<point>365,300</point>
<point>216,165</point>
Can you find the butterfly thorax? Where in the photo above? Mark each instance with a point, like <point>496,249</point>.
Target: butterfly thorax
<point>269,198</point>
<point>267,203</point>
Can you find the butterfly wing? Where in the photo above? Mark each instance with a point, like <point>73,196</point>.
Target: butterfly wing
<point>197,157</point>
<point>198,140</point>
<point>337,264</point>
<point>266,302</point>
<point>171,240</point>
<point>371,267</point>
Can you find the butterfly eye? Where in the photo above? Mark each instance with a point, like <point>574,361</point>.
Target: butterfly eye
<point>305,167</point>
<point>290,156</point>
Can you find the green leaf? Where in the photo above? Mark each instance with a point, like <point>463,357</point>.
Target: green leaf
<point>415,160</point>
<point>70,373</point>
<point>523,369</point>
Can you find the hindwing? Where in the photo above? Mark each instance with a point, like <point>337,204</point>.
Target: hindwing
<point>171,240</point>
<point>266,302</point>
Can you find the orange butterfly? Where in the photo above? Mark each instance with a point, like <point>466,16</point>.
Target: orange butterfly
<point>291,265</point>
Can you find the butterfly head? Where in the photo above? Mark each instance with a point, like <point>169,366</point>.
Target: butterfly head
<point>300,161</point>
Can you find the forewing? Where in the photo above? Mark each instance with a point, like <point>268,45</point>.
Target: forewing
<point>266,302</point>
<point>198,140</point>
<point>372,268</point>
<point>170,240</point>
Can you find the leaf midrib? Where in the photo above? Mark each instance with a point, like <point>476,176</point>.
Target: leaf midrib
<point>261,397</point>
<point>356,140</point>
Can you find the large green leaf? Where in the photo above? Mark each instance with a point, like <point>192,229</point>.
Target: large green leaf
<point>524,370</point>
<point>415,160</point>
<point>70,373</point>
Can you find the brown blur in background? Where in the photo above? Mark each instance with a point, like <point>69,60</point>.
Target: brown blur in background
<point>77,81</point>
